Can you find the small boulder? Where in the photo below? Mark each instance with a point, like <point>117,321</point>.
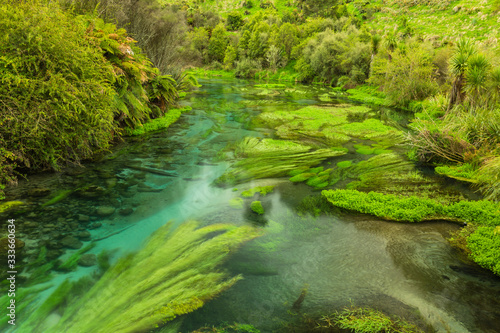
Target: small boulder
<point>84,235</point>
<point>38,192</point>
<point>105,211</point>
<point>83,218</point>
<point>87,260</point>
<point>71,242</point>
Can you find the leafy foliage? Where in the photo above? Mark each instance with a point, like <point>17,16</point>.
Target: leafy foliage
<point>406,76</point>
<point>69,83</point>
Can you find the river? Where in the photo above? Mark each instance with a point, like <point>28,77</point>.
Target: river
<point>408,270</point>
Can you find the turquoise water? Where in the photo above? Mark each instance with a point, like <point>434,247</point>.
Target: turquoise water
<point>401,269</point>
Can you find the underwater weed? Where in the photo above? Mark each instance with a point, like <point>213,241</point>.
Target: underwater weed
<point>175,273</point>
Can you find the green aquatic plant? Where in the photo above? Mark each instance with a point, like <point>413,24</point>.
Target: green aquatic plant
<point>330,125</point>
<point>344,164</point>
<point>256,207</point>
<point>59,196</point>
<point>276,164</point>
<point>302,177</point>
<point>71,263</point>
<point>251,147</point>
<point>175,273</point>
<point>368,320</point>
<point>5,206</point>
<point>263,190</point>
<point>464,172</point>
<point>236,203</point>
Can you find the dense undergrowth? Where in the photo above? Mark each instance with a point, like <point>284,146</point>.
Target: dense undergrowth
<point>70,85</point>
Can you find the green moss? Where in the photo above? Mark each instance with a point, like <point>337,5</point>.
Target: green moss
<point>344,164</point>
<point>465,172</point>
<point>256,206</point>
<point>59,196</point>
<point>236,203</point>
<point>161,123</point>
<point>4,206</point>
<point>302,177</point>
<point>263,190</point>
<point>368,320</point>
<point>484,245</point>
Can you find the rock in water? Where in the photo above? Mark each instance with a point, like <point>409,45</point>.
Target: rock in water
<point>105,210</point>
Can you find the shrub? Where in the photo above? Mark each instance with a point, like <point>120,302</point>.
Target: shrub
<point>331,55</point>
<point>56,100</point>
<point>218,43</point>
<point>246,68</point>
<point>234,20</point>
<point>406,76</point>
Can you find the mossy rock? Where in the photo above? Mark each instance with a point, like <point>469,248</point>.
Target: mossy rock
<point>256,207</point>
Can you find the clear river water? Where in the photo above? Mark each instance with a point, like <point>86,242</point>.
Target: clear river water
<point>408,270</point>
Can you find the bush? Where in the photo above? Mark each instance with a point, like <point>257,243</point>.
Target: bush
<point>234,20</point>
<point>247,68</point>
<point>56,100</point>
<point>218,43</point>
<point>406,75</point>
<point>331,55</point>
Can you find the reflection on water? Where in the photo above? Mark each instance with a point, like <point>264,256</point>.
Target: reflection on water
<point>402,269</point>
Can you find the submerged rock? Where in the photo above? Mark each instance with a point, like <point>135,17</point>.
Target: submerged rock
<point>87,260</point>
<point>71,242</point>
<point>38,192</point>
<point>85,235</point>
<point>105,211</point>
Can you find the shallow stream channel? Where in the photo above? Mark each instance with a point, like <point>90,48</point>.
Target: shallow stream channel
<point>229,161</point>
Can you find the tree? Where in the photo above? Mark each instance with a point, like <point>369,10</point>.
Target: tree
<point>218,43</point>
<point>230,57</point>
<point>258,44</point>
<point>458,67</point>
<point>287,38</point>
